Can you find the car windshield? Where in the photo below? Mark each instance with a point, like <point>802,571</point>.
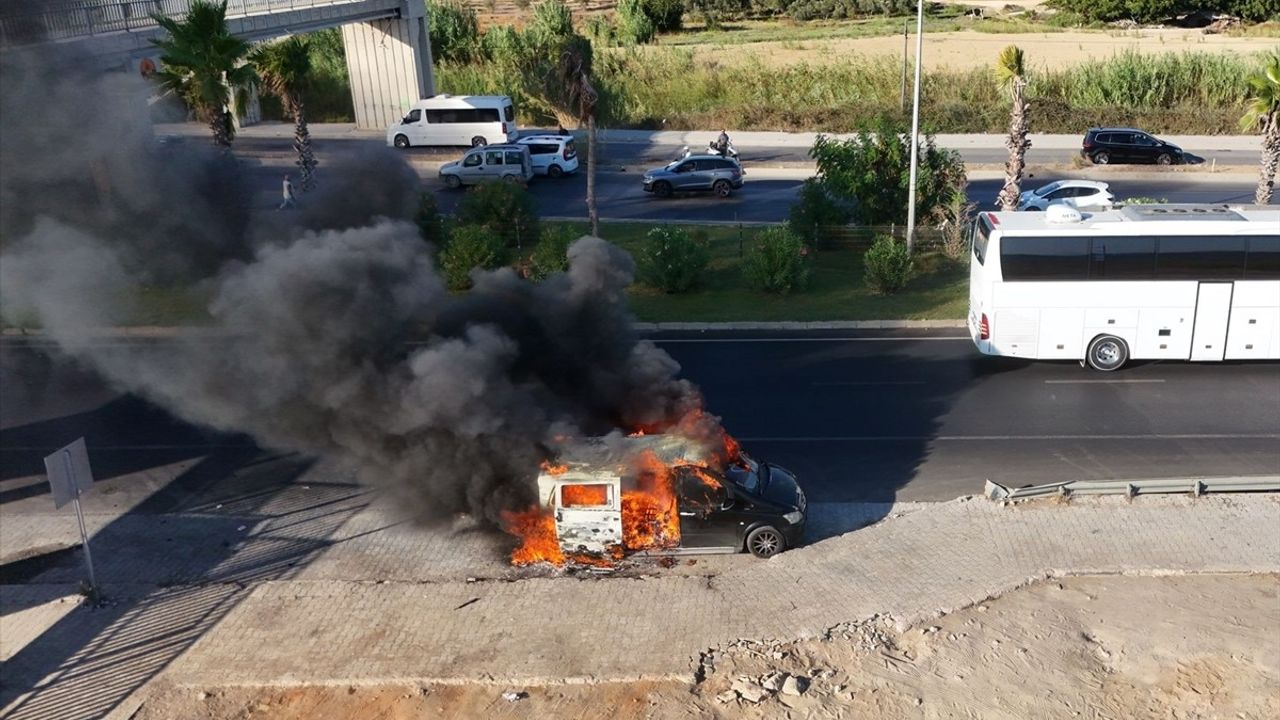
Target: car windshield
<point>1048,189</point>
<point>746,474</point>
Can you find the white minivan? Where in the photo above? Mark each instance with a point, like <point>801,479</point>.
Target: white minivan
<point>473,120</point>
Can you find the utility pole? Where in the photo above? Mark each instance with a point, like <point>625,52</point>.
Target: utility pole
<point>915,129</point>
<point>902,95</point>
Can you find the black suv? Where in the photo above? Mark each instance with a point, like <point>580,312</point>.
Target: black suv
<point>1104,146</point>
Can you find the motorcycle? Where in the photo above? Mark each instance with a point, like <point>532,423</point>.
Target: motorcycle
<point>731,152</point>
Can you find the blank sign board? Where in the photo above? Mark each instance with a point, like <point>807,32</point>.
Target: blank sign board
<point>68,471</point>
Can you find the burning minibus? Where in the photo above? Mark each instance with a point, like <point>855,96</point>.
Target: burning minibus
<point>605,497</point>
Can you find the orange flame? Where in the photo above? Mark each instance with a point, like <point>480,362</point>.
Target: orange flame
<point>584,495</point>
<point>554,469</point>
<point>649,516</point>
<point>536,529</point>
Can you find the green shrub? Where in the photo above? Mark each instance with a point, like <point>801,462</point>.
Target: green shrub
<point>667,15</point>
<point>815,214</point>
<point>671,260</point>
<point>872,170</point>
<point>778,261</point>
<point>430,223</point>
<point>1142,201</point>
<point>469,247</point>
<point>634,26</point>
<point>888,265</point>
<point>602,31</point>
<point>455,31</point>
<point>506,209</point>
<point>1152,11</point>
<point>552,253</point>
<point>552,21</point>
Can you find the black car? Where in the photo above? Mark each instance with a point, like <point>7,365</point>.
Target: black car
<point>1104,146</point>
<point>753,506</point>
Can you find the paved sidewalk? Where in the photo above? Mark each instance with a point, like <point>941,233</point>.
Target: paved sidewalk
<point>319,586</point>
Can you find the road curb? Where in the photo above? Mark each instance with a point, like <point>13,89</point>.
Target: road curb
<point>791,325</point>
<point>195,331</point>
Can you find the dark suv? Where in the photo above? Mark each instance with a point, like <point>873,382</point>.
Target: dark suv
<point>1104,146</point>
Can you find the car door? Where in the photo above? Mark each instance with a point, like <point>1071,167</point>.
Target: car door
<point>1145,147</point>
<point>492,165</point>
<point>682,175</point>
<point>471,169</point>
<point>705,509</point>
<point>1120,145</point>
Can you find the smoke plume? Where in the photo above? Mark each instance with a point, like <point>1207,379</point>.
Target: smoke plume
<point>333,332</point>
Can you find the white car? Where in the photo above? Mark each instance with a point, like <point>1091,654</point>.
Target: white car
<point>1080,194</point>
<point>553,155</point>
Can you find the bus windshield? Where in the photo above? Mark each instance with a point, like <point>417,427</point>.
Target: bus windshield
<point>981,234</point>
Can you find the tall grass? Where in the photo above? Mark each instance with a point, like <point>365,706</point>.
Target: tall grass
<point>674,88</point>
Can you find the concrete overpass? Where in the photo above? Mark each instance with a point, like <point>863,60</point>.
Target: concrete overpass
<point>387,44</point>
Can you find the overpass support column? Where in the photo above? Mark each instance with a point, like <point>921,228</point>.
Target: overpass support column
<point>389,63</point>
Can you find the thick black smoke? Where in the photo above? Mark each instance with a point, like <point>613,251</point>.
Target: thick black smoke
<point>335,333</point>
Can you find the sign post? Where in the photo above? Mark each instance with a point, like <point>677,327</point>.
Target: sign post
<point>69,476</point>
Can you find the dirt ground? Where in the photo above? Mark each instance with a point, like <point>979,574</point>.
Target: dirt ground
<point>1107,647</point>
<point>968,49</point>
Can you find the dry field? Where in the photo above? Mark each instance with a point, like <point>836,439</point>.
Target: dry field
<point>968,49</point>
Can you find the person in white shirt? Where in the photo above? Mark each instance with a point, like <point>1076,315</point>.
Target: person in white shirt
<point>287,189</point>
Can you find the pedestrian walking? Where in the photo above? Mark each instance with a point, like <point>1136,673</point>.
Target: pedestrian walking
<point>286,189</point>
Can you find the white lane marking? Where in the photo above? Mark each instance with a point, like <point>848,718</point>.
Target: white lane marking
<point>801,339</point>
<point>1103,382</point>
<point>867,383</point>
<point>1008,438</point>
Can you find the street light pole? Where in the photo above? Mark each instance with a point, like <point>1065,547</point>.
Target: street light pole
<point>915,129</point>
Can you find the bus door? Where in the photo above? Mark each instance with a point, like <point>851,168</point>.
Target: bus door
<point>1213,311</point>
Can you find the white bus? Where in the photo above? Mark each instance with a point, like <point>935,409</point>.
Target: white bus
<point>1170,282</point>
<point>473,120</point>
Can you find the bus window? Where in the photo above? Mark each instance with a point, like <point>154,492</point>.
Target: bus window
<point>1263,261</point>
<point>1200,258</point>
<point>981,234</point>
<point>1044,258</point>
<point>1123,258</point>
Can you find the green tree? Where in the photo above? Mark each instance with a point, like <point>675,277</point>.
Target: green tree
<point>888,265</point>
<point>635,27</point>
<point>470,247</point>
<point>1011,74</point>
<point>1262,112</point>
<point>203,64</point>
<point>284,67</point>
<point>505,209</point>
<point>870,172</point>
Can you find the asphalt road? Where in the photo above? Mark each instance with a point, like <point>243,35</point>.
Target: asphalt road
<point>868,417</point>
<point>766,197</point>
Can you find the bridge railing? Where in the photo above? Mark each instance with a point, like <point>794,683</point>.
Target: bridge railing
<point>66,19</point>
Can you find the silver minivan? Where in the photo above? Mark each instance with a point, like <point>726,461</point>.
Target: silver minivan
<point>511,163</point>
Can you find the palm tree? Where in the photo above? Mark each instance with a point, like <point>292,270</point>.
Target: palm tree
<point>285,70</point>
<point>580,97</point>
<point>1011,73</point>
<point>203,64</point>
<point>1262,111</point>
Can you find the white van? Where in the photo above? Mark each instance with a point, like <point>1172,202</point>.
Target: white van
<point>473,120</point>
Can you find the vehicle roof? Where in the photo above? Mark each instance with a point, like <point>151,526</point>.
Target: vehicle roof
<point>1096,184</point>
<point>463,100</point>
<point>612,451</point>
<point>1176,219</point>
<point>545,138</point>
<point>1118,129</point>
<point>498,146</point>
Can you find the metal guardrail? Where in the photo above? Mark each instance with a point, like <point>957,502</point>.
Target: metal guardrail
<point>67,19</point>
<point>1192,486</point>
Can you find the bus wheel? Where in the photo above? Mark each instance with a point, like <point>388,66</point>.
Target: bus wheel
<point>1107,353</point>
<point>402,141</point>
<point>478,141</point>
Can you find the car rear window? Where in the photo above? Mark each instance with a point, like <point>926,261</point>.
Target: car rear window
<point>508,113</point>
<point>570,149</point>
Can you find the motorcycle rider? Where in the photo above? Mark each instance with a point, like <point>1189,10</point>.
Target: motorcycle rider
<point>722,143</point>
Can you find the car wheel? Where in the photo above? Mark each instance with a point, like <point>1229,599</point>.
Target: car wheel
<point>662,189</point>
<point>512,179</point>
<point>402,141</point>
<point>478,141</point>
<point>721,188</point>
<point>1107,353</point>
<point>1164,159</point>
<point>1102,157</point>
<point>555,171</point>
<point>765,542</point>
<point>1033,208</point>
<point>453,182</point>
